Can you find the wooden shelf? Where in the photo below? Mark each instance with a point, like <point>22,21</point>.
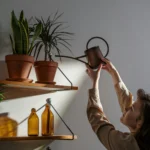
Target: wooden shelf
<point>27,138</point>
<point>30,143</point>
<point>21,89</point>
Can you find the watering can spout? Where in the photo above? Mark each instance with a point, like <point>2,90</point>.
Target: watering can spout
<point>75,58</point>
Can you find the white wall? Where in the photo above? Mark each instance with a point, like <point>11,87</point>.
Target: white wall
<point>126,27</point>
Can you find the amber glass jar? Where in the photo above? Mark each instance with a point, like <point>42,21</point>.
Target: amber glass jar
<point>8,126</point>
<point>3,125</point>
<point>47,119</point>
<point>12,127</point>
<point>33,123</point>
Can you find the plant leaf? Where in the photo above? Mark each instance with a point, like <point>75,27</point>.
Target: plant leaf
<point>65,33</point>
<point>57,17</point>
<point>17,34</point>
<point>37,32</point>
<point>12,44</point>
<point>65,46</point>
<point>55,29</point>
<point>43,22</point>
<point>39,49</point>
<point>25,39</point>
<point>35,48</point>
<point>63,40</point>
<point>21,18</point>
<point>25,23</point>
<point>58,50</point>
<point>1,92</point>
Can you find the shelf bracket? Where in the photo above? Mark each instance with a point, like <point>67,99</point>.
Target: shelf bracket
<point>65,77</point>
<point>62,72</point>
<point>49,102</point>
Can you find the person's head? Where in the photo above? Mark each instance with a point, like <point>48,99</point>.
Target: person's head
<point>137,119</point>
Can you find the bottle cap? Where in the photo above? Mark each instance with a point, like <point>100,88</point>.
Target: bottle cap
<point>48,101</point>
<point>33,110</point>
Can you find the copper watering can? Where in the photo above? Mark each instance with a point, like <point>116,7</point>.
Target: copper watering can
<point>93,55</point>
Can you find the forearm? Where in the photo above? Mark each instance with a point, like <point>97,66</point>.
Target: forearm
<point>96,87</point>
<point>115,77</point>
<point>95,110</point>
<point>123,94</point>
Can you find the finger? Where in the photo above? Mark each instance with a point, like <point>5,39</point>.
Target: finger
<point>87,70</point>
<point>105,60</point>
<point>99,67</point>
<point>104,67</point>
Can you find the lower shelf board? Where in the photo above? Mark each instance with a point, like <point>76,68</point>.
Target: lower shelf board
<point>29,138</point>
<point>30,143</point>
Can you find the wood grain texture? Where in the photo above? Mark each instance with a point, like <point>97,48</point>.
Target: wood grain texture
<point>49,87</point>
<point>14,90</point>
<point>36,138</point>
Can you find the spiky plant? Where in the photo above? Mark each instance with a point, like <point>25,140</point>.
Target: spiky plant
<point>20,40</point>
<point>53,36</point>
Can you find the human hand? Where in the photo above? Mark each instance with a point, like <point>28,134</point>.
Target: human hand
<point>94,75</point>
<point>109,67</point>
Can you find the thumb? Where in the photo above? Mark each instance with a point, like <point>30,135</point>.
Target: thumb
<point>100,67</point>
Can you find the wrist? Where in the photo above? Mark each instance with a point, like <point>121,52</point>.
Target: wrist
<point>95,84</point>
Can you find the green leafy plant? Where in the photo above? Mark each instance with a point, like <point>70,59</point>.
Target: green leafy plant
<point>52,36</point>
<point>21,42</point>
<point>1,92</point>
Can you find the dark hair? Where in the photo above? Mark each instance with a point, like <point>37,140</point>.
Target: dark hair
<point>143,135</point>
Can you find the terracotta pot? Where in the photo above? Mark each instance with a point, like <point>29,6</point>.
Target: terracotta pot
<point>45,71</point>
<point>19,66</point>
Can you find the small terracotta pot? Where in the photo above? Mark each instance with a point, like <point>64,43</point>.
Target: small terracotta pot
<point>19,66</point>
<point>45,71</point>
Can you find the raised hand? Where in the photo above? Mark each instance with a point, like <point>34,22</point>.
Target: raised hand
<point>108,66</point>
<point>94,75</point>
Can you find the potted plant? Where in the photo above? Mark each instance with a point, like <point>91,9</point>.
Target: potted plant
<point>19,63</point>
<point>53,36</point>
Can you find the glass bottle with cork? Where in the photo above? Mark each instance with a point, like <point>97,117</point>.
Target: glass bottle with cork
<point>47,119</point>
<point>33,123</point>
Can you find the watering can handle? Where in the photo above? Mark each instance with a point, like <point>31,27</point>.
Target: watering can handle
<point>96,37</point>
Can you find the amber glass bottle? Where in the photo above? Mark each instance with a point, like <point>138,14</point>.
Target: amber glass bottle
<point>33,124</point>
<point>47,121</point>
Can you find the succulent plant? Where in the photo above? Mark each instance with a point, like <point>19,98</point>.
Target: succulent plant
<point>21,42</point>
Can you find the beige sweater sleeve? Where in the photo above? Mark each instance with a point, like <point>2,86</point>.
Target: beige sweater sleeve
<point>125,97</point>
<point>105,131</point>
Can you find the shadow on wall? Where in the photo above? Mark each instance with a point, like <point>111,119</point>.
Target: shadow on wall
<point>76,119</point>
